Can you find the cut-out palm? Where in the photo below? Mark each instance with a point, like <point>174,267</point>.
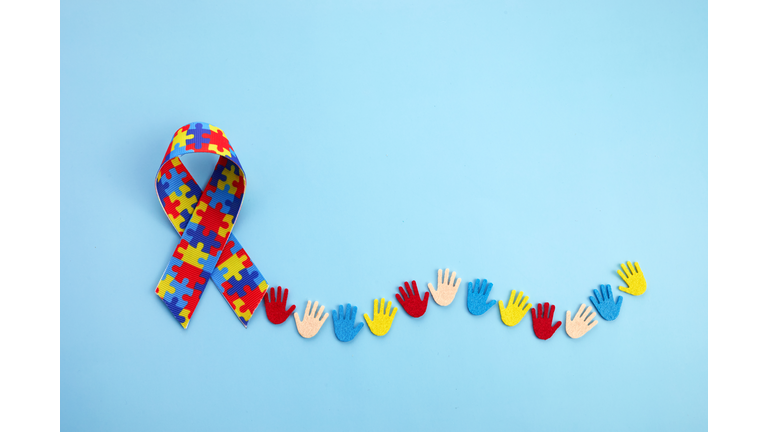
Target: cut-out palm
<point>633,277</point>
<point>446,288</point>
<point>515,310</point>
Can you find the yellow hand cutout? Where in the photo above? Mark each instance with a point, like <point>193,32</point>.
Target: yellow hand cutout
<point>312,321</point>
<point>577,327</point>
<point>516,310</point>
<point>446,288</point>
<point>382,320</point>
<point>634,279</point>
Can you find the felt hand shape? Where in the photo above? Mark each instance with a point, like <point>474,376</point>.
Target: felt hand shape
<point>275,306</point>
<point>581,323</point>
<point>477,295</point>
<point>516,310</point>
<point>312,321</point>
<point>410,301</point>
<point>634,279</point>
<point>382,320</point>
<point>344,323</point>
<point>603,301</point>
<point>446,288</point>
<point>542,322</point>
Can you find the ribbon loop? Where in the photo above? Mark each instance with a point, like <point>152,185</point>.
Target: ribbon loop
<point>204,218</point>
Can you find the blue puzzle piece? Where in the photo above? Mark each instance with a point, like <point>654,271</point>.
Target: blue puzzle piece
<point>194,235</point>
<point>197,135</point>
<point>175,309</point>
<point>249,277</point>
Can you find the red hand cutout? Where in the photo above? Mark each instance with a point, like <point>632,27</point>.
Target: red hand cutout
<point>411,302</point>
<point>275,306</point>
<point>542,322</point>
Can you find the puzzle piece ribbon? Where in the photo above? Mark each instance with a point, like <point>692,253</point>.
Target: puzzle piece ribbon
<point>204,219</point>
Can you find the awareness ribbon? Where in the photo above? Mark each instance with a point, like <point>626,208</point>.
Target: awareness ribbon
<point>204,219</point>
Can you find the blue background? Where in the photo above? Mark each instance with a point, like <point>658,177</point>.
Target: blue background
<point>535,144</point>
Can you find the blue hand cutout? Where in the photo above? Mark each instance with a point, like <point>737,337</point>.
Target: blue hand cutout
<point>477,296</point>
<point>603,301</point>
<point>344,323</point>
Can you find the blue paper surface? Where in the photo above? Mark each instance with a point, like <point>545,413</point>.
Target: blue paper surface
<point>538,144</point>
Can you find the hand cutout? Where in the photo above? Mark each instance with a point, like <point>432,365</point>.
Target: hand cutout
<point>446,288</point>
<point>410,301</point>
<point>517,308</point>
<point>581,323</point>
<point>312,321</point>
<point>275,306</point>
<point>477,295</point>
<point>382,320</point>
<point>542,322</point>
<point>634,279</point>
<point>344,323</point>
<point>603,301</point>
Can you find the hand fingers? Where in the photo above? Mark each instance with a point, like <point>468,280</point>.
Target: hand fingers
<point>271,296</point>
<point>625,289</point>
<point>306,311</point>
<point>368,320</point>
<point>618,302</point>
<point>439,277</point>
<point>512,298</point>
<point>289,311</point>
<point>389,306</point>
<point>279,296</point>
<point>592,324</point>
<point>527,306</point>
<point>335,315</point>
<point>637,267</point>
<point>626,270</point>
<point>314,309</point>
<point>400,299</point>
<point>458,281</point>
<point>609,292</point>
<point>551,311</point>
<point>357,329</point>
<point>589,309</point>
<point>393,313</point>
<point>623,277</point>
<point>431,289</point>
<point>631,268</point>
<point>324,318</point>
<point>450,280</point>
<point>581,309</point>
<point>596,298</point>
<point>568,315</point>
<point>341,313</point>
<point>375,306</point>
<point>296,317</point>
<point>591,317</point>
<point>469,287</point>
<point>533,312</point>
<point>382,305</point>
<point>407,288</point>
<point>402,292</point>
<point>415,289</point>
<point>426,297</point>
<point>320,312</point>
<point>556,326</point>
